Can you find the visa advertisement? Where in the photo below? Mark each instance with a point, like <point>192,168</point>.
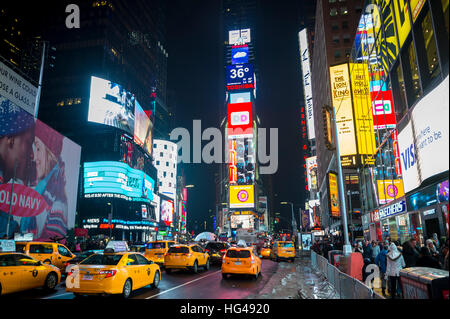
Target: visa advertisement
<point>242,196</point>
<point>45,168</point>
<point>240,120</point>
<point>333,191</point>
<point>239,54</point>
<point>116,179</point>
<point>389,190</point>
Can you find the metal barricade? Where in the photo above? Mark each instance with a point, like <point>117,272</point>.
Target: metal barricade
<point>337,282</point>
<point>330,274</point>
<point>346,286</point>
<point>361,291</point>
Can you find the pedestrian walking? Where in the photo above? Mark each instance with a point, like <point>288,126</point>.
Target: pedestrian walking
<point>359,248</point>
<point>432,248</point>
<point>395,263</point>
<point>375,250</point>
<point>410,253</point>
<point>367,250</point>
<point>381,261</point>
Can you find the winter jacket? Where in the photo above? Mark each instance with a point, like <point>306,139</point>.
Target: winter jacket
<point>427,261</point>
<point>395,262</point>
<point>381,261</point>
<point>367,252</point>
<point>411,254</point>
<point>375,251</point>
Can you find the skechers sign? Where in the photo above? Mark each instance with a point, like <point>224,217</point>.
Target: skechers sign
<point>392,210</point>
<point>116,179</point>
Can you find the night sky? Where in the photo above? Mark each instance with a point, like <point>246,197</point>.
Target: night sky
<point>194,46</point>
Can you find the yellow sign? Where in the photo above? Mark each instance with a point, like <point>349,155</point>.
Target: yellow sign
<point>416,7</point>
<point>242,196</point>
<point>389,190</point>
<point>342,103</point>
<point>387,44</point>
<point>402,20</point>
<point>334,199</point>
<point>362,105</point>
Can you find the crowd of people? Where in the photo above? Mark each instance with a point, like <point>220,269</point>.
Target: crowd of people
<point>392,256</point>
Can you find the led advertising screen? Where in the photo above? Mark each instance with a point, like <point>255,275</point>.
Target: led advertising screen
<point>167,211</point>
<point>44,198</point>
<point>241,161</point>
<point>242,221</point>
<point>240,120</point>
<point>342,103</point>
<point>239,74</point>
<point>243,97</point>
<point>239,36</point>
<point>239,54</point>
<point>111,104</point>
<point>334,199</point>
<point>132,155</point>
<point>143,129</point>
<point>242,196</point>
<point>116,179</point>
<point>383,110</point>
<point>311,168</point>
<point>389,190</point>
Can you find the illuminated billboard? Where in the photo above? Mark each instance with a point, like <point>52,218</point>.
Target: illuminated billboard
<point>389,190</point>
<point>383,110</point>
<point>240,74</point>
<point>116,179</point>
<point>242,196</point>
<point>167,211</point>
<point>240,120</point>
<point>239,54</point>
<point>241,165</point>
<point>242,221</point>
<point>111,104</point>
<point>239,36</point>
<point>311,168</point>
<point>362,106</point>
<point>342,103</point>
<point>333,193</point>
<point>243,97</point>
<point>143,129</point>
<point>132,155</point>
<point>46,169</point>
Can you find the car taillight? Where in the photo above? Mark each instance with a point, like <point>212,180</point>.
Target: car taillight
<point>108,273</point>
<point>223,250</point>
<point>207,250</point>
<point>187,255</point>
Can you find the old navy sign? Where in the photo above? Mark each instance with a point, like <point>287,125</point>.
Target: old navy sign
<point>392,210</point>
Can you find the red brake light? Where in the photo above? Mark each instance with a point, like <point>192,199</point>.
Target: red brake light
<point>108,273</point>
<point>223,250</point>
<point>188,255</point>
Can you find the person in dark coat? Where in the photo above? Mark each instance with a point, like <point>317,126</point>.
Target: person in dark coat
<point>410,253</point>
<point>426,260</point>
<point>381,261</point>
<point>367,250</point>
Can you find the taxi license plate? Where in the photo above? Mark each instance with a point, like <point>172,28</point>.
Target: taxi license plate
<point>237,263</point>
<point>88,277</point>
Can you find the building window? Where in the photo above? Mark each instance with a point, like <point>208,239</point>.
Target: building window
<point>411,73</point>
<point>154,145</point>
<point>333,12</point>
<point>398,92</point>
<point>331,1</point>
<point>430,47</point>
<point>344,11</point>
<point>335,27</point>
<point>160,184</point>
<point>445,11</point>
<point>157,162</point>
<point>337,54</point>
<point>165,147</point>
<point>344,25</point>
<point>170,184</point>
<point>336,39</point>
<point>167,164</point>
<point>164,174</point>
<point>346,38</point>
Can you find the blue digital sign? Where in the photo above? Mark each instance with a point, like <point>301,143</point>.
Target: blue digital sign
<point>239,55</point>
<point>116,179</point>
<point>240,74</point>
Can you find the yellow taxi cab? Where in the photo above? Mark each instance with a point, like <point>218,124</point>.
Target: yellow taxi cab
<point>243,260</point>
<point>49,253</point>
<point>265,252</point>
<point>189,256</point>
<point>20,272</point>
<point>156,250</point>
<point>283,250</point>
<point>111,273</point>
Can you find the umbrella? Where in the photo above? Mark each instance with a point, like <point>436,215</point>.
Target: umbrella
<point>205,236</point>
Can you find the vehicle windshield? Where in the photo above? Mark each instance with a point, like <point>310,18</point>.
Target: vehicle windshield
<point>98,259</point>
<point>216,246</point>
<point>286,245</point>
<point>178,250</point>
<point>156,245</point>
<point>20,248</point>
<point>233,253</point>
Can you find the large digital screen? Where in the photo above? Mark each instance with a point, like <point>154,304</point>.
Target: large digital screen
<point>242,196</point>
<point>241,161</point>
<point>389,190</point>
<point>132,155</point>
<point>239,54</point>
<point>240,74</point>
<point>143,129</point>
<point>243,97</point>
<point>116,179</point>
<point>111,104</point>
<point>239,36</point>
<point>334,199</point>
<point>311,168</point>
<point>44,198</point>
<point>383,110</point>
<point>240,120</point>
<point>167,211</point>
<point>242,221</point>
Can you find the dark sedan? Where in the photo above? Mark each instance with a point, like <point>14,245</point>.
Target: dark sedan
<point>216,250</point>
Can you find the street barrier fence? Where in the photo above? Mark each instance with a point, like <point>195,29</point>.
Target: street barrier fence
<point>347,287</point>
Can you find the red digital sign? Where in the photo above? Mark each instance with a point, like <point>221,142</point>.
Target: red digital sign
<point>240,120</point>
<point>383,110</point>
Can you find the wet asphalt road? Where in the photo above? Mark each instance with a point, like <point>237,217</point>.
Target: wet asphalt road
<point>181,285</point>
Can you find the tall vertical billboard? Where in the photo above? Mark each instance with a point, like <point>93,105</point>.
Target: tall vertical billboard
<point>333,193</point>
<point>307,86</point>
<point>342,103</point>
<point>311,168</point>
<point>44,166</point>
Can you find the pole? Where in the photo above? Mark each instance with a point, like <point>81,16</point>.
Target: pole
<point>38,95</point>
<point>11,200</point>
<point>347,247</point>
<point>110,221</point>
<point>349,193</point>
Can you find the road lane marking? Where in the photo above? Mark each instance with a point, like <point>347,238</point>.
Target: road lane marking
<point>187,283</point>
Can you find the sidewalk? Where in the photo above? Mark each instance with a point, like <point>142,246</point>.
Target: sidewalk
<point>297,281</point>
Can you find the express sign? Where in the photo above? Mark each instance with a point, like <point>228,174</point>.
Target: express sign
<point>392,210</point>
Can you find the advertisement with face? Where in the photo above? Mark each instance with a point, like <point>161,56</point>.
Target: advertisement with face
<point>143,129</point>
<point>132,155</point>
<point>242,161</point>
<point>45,167</point>
<point>311,167</point>
<point>167,210</point>
<point>111,104</point>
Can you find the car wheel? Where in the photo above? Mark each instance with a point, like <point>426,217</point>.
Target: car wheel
<point>51,281</point>
<point>168,270</point>
<point>207,265</point>
<point>156,280</point>
<point>195,267</point>
<point>127,289</point>
<point>255,276</point>
<point>225,276</point>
